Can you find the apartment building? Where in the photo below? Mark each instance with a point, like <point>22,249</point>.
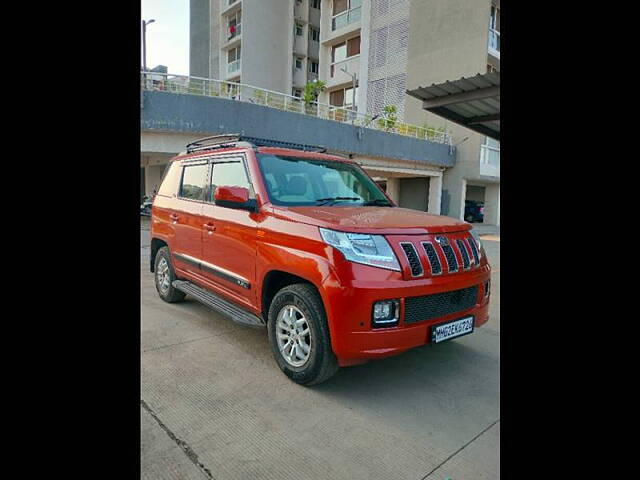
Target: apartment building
<point>372,51</point>
<point>369,53</point>
<point>270,44</point>
<point>458,38</point>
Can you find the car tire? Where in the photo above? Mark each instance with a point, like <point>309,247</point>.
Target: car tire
<point>295,309</point>
<point>164,275</point>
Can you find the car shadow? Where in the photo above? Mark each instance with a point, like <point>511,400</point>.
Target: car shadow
<point>452,369</point>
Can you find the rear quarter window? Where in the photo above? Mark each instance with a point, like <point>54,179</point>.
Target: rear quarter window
<point>169,185</point>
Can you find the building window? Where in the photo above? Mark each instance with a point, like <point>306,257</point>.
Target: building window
<point>313,67</point>
<point>298,63</point>
<point>233,59</point>
<point>344,51</point>
<point>299,29</point>
<point>315,4</point>
<point>494,31</point>
<point>314,34</point>
<point>343,97</point>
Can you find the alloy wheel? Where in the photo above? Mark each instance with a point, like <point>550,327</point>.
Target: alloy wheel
<point>293,336</point>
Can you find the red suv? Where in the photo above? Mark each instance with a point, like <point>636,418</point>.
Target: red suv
<point>279,234</point>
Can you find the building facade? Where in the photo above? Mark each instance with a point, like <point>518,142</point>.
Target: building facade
<point>270,44</point>
<point>372,51</point>
<point>454,39</point>
<point>369,53</point>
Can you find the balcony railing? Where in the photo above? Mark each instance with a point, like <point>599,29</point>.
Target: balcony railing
<point>345,18</point>
<point>494,42</point>
<point>246,93</point>
<point>237,31</point>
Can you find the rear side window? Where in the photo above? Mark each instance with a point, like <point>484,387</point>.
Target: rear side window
<point>193,181</point>
<point>229,174</point>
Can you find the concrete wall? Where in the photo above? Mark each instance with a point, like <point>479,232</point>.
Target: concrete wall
<point>163,111</point>
<point>267,44</point>
<point>414,193</point>
<point>199,38</point>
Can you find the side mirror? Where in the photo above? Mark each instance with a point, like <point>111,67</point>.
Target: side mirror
<point>234,197</point>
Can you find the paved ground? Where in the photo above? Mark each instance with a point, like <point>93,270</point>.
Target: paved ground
<point>215,405</point>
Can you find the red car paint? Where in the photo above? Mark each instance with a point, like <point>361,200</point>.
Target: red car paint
<point>251,243</point>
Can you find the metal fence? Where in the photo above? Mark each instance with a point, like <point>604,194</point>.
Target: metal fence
<point>246,93</point>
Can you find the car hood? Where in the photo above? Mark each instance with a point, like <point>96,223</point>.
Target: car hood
<point>382,220</point>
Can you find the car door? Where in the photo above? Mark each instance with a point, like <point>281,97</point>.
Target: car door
<point>229,235</point>
<point>187,217</point>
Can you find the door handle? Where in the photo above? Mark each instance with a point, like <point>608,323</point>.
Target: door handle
<point>174,217</point>
<point>210,227</point>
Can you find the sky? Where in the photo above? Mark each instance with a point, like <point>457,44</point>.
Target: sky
<point>168,36</point>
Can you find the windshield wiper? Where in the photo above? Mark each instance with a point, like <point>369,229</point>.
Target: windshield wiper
<point>378,202</point>
<point>325,201</point>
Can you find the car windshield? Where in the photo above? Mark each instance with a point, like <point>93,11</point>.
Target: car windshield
<point>294,181</point>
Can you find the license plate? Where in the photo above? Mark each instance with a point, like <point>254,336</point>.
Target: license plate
<point>449,330</point>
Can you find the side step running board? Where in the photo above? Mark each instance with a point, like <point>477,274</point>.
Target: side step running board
<point>220,305</point>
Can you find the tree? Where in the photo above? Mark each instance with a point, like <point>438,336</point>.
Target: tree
<point>389,117</point>
<point>312,90</point>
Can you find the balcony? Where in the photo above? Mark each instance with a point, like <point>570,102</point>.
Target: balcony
<point>233,31</point>
<point>490,160</point>
<point>494,43</point>
<point>338,77</point>
<point>345,18</point>
<point>229,6</point>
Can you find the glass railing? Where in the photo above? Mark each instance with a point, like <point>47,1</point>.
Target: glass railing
<point>237,31</point>
<point>346,18</point>
<point>233,66</point>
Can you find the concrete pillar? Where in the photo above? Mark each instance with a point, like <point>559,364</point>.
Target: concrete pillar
<point>393,189</point>
<point>492,204</point>
<point>152,177</point>
<point>435,194</point>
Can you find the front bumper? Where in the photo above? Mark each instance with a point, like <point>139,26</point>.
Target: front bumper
<point>349,305</point>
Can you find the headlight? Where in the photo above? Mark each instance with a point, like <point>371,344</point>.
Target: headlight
<point>362,248</point>
<point>476,237</point>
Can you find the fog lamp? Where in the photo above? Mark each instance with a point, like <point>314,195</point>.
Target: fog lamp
<point>385,313</point>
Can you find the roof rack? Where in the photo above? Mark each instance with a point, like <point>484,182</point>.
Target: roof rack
<point>235,140</point>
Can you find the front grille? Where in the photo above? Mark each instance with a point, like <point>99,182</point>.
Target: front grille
<point>474,249</point>
<point>434,261</point>
<point>465,255</point>
<point>418,309</point>
<point>452,261</point>
<point>412,257</point>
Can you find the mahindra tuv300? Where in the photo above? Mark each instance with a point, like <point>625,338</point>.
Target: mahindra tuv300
<point>307,244</point>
